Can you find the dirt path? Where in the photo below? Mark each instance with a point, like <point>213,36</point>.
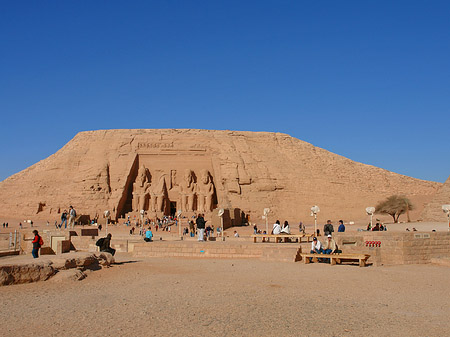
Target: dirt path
<point>188,297</point>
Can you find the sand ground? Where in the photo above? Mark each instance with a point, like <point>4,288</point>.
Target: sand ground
<point>193,297</point>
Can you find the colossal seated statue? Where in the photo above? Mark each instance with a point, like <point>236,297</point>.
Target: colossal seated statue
<point>205,191</point>
<point>158,192</point>
<point>140,190</point>
<point>187,191</point>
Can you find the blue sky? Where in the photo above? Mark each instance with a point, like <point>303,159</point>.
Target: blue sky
<point>369,80</point>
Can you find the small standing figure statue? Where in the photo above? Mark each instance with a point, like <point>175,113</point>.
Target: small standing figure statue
<point>140,188</point>
<point>187,191</point>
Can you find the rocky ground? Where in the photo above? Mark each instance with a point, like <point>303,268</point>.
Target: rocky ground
<point>189,297</point>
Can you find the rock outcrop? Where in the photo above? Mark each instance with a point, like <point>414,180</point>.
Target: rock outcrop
<point>162,171</point>
<point>59,268</point>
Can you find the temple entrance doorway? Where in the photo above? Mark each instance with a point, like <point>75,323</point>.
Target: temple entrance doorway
<point>173,208</point>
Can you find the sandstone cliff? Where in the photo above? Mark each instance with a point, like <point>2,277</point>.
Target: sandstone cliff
<point>96,171</point>
<point>433,210</point>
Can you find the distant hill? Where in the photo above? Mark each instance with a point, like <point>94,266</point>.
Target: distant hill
<point>96,171</point>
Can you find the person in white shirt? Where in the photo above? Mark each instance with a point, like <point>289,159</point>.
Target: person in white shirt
<point>276,228</point>
<point>316,248</point>
<point>236,234</point>
<point>286,229</point>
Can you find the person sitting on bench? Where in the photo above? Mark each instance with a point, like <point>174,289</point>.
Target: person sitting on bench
<point>286,229</point>
<point>148,235</point>
<point>330,245</point>
<point>316,248</point>
<point>276,228</point>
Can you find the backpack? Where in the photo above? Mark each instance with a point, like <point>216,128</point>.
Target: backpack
<point>74,212</point>
<point>40,242</point>
<point>100,242</point>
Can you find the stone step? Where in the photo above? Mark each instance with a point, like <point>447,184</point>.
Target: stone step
<point>211,250</point>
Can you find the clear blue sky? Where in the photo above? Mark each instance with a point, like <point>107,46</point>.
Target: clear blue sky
<point>369,80</point>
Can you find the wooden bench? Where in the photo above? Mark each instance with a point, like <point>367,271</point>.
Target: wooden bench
<point>337,258</point>
<point>281,237</point>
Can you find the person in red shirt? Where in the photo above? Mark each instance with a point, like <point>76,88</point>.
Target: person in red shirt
<point>37,242</point>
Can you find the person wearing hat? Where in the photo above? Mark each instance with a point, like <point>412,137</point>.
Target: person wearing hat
<point>330,245</point>
<point>316,247</point>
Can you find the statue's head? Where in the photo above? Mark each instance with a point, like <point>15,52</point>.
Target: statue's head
<point>188,176</point>
<point>204,176</point>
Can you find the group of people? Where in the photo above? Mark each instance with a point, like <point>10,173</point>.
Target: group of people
<point>278,229</point>
<point>377,227</point>
<point>285,228</point>
<point>329,247</point>
<point>68,215</point>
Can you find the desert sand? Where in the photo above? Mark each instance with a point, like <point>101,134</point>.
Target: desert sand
<point>193,297</point>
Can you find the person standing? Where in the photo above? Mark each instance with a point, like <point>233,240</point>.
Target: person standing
<point>341,227</point>
<point>63,219</point>
<point>200,227</point>
<point>72,215</point>
<point>328,228</point>
<point>37,243</point>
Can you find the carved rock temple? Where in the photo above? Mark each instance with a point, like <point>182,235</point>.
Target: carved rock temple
<point>164,171</point>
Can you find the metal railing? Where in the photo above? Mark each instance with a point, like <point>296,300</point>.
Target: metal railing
<point>10,241</point>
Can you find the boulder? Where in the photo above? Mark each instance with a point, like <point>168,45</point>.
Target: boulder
<point>26,273</point>
<point>105,259</point>
<point>68,275</point>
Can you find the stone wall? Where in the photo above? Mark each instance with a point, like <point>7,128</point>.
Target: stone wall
<point>397,248</point>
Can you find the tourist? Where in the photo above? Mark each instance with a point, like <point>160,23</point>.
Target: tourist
<point>219,230</point>
<point>381,227</point>
<point>236,234</point>
<point>20,225</point>
<point>376,228</point>
<point>192,228</point>
<point>72,215</point>
<point>328,228</point>
<point>200,227</point>
<point>212,230</point>
<point>285,229</point>
<point>369,226</point>
<point>208,231</point>
<point>106,245</point>
<point>148,235</point>
<point>255,229</point>
<point>276,228</point>
<point>330,245</point>
<point>37,243</point>
<point>316,247</point>
<point>301,228</point>
<point>63,219</point>
<point>341,227</point>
